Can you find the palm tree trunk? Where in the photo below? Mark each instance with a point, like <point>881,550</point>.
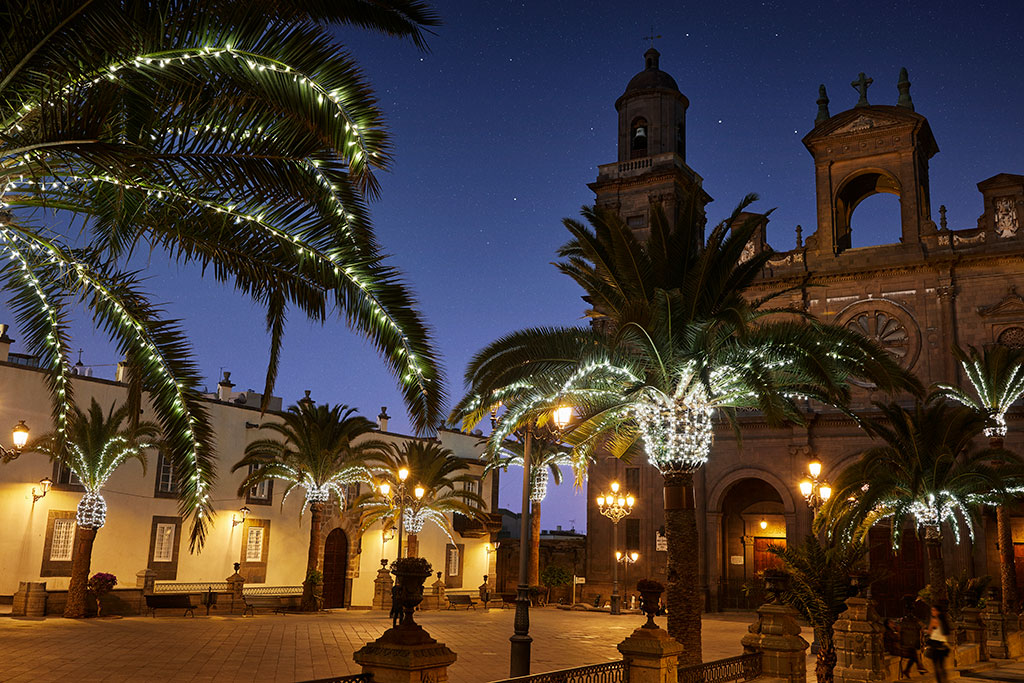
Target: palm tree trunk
<point>308,603</point>
<point>825,665</point>
<point>936,567</point>
<point>534,574</point>
<point>78,588</point>
<point>1007,562</point>
<point>682,593</point>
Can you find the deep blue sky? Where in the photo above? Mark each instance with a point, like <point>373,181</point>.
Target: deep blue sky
<point>499,127</point>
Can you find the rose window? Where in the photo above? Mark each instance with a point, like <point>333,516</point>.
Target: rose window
<point>1012,337</point>
<point>884,329</point>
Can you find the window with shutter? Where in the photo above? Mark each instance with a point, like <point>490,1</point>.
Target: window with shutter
<point>63,540</point>
<point>163,543</point>
<point>254,545</point>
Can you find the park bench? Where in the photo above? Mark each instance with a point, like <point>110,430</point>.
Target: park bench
<point>279,604</point>
<point>508,599</point>
<point>456,601</point>
<point>171,601</point>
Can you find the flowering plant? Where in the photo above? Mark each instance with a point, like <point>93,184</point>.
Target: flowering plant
<point>102,583</point>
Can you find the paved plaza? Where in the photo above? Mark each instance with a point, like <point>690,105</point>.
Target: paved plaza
<point>300,647</point>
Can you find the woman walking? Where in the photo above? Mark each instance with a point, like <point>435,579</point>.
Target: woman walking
<point>938,640</point>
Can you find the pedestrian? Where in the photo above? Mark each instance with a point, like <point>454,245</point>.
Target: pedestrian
<point>938,640</point>
<point>396,604</point>
<point>910,639</point>
<point>891,638</point>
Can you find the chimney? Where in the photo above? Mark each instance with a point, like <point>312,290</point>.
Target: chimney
<point>382,419</point>
<point>5,343</point>
<point>122,372</point>
<point>224,387</point>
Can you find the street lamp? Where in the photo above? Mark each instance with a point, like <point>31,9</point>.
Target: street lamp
<point>626,560</point>
<point>19,437</point>
<point>615,506</point>
<point>401,499</point>
<point>815,491</point>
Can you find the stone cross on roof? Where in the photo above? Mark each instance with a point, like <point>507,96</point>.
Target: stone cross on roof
<point>652,37</point>
<point>861,86</point>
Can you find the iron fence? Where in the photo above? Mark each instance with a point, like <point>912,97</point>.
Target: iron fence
<point>743,668</point>
<point>272,590</point>
<point>610,672</point>
<point>354,678</point>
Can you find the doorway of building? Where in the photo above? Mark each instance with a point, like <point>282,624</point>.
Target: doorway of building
<point>753,519</point>
<point>896,573</point>
<point>335,568</point>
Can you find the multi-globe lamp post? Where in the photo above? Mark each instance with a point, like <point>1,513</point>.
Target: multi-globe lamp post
<point>626,560</point>
<point>814,490</point>
<point>615,506</point>
<point>519,650</point>
<point>402,500</point>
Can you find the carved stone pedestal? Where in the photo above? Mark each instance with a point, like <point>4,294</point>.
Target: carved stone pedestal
<point>651,655</point>
<point>997,627</point>
<point>776,635</point>
<point>973,629</point>
<point>146,580</point>
<point>436,600</point>
<point>236,582</point>
<point>405,654</point>
<point>860,649</point>
<point>382,588</point>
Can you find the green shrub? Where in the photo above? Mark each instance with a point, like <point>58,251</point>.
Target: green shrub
<point>553,575</point>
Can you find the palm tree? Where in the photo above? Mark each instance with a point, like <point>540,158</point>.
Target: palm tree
<point>316,450</point>
<point>997,376</point>
<point>819,584</point>
<point>237,138</point>
<point>546,457</point>
<point>923,474</point>
<point>674,340</point>
<point>434,468</point>
<point>92,448</point>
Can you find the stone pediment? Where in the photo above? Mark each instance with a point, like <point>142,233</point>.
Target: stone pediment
<point>1011,304</point>
<point>865,122</point>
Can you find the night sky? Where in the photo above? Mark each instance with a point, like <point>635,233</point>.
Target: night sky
<point>498,128</point>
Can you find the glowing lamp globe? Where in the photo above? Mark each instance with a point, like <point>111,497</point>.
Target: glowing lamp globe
<point>20,435</point>
<point>618,555</point>
<point>615,487</point>
<point>419,491</point>
<point>562,415</point>
<point>805,488</point>
<point>764,524</point>
<point>600,501</point>
<point>621,502</point>
<point>825,491</point>
<point>403,474</point>
<point>385,489</point>
<point>630,500</point>
<point>634,555</point>
<point>814,467</point>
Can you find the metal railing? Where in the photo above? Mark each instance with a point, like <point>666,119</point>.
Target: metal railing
<point>272,590</point>
<point>743,668</point>
<point>610,672</point>
<point>198,587</point>
<point>353,678</point>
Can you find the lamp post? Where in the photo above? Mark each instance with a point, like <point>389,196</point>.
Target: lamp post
<point>814,490</point>
<point>19,437</point>
<point>626,560</point>
<point>519,652</point>
<point>615,506</point>
<point>402,500</point>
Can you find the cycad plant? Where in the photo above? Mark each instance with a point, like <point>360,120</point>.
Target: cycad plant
<point>443,477</point>
<point>320,449</point>
<point>924,474</point>
<point>234,137</point>
<point>546,459</point>
<point>819,584</point>
<point>997,376</point>
<point>94,445</point>
<point>676,339</point>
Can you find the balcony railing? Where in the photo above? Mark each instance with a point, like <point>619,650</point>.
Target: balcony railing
<point>610,672</point>
<point>743,668</point>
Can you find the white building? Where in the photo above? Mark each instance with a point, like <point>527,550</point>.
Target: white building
<point>144,529</point>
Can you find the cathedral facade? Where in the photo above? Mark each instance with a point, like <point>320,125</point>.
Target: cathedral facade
<point>930,288</point>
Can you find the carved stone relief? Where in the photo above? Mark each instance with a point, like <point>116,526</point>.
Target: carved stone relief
<point>1006,217</point>
<point>887,323</point>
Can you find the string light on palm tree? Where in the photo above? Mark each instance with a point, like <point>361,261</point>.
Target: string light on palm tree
<point>615,506</point>
<point>19,437</point>
<point>815,491</point>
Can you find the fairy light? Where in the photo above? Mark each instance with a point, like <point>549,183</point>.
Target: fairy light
<point>538,484</point>
<point>677,430</point>
<point>92,511</point>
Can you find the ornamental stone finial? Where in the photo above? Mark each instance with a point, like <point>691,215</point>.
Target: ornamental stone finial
<point>903,85</point>
<point>823,114</point>
<point>861,86</point>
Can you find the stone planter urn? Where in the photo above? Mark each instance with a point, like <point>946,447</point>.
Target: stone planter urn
<point>650,600</point>
<point>410,573</point>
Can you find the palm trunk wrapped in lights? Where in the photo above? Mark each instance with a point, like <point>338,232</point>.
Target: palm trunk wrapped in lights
<point>538,491</point>
<point>90,517</point>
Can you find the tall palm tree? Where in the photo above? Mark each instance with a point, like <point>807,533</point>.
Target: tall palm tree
<point>239,138</point>
<point>997,376</point>
<point>320,449</point>
<point>546,459</point>
<point>819,584</point>
<point>431,466</point>
<point>674,340</point>
<point>93,447</point>
<point>924,474</point>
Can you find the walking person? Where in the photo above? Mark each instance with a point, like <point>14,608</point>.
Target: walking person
<point>938,640</point>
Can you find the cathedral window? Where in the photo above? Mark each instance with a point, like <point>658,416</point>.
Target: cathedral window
<point>1013,337</point>
<point>638,134</point>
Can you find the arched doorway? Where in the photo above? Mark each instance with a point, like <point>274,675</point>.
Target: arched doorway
<point>335,568</point>
<point>753,520</point>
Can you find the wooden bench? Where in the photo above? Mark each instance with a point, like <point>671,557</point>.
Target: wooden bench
<point>456,601</point>
<point>279,604</point>
<point>508,599</point>
<point>171,601</point>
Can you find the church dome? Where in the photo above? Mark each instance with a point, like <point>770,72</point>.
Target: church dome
<point>652,78</point>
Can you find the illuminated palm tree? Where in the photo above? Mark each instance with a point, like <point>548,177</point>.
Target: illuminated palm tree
<point>236,137</point>
<point>924,474</point>
<point>315,451</point>
<point>674,340</point>
<point>997,376</point>
<point>92,448</point>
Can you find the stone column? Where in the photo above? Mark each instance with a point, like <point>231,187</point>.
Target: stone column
<point>997,626</point>
<point>382,587</point>
<point>146,580</point>
<point>776,635</point>
<point>236,582</point>
<point>860,649</point>
<point>651,656</point>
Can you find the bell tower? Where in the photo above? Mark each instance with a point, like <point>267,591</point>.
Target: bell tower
<point>651,166</point>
